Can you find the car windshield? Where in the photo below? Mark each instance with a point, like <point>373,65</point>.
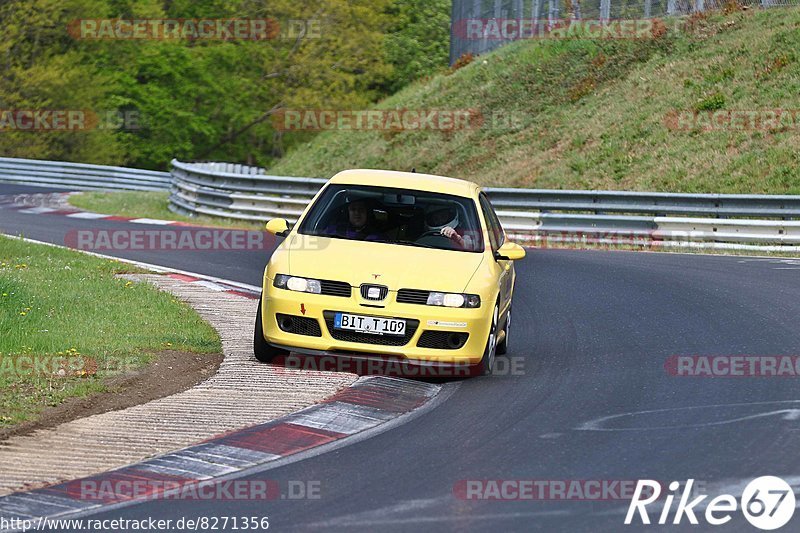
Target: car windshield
<point>395,216</point>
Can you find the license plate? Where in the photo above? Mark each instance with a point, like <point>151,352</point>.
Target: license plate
<point>370,324</point>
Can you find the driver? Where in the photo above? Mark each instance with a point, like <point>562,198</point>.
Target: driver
<point>444,221</point>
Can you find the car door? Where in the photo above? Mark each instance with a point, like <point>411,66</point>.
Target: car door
<point>505,268</point>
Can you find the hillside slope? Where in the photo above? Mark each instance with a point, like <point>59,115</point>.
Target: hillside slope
<point>592,114</point>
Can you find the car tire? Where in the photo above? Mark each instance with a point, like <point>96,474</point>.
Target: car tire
<point>263,351</point>
<point>502,347</point>
<point>486,366</point>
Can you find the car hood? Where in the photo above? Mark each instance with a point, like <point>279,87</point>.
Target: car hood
<point>393,265</point>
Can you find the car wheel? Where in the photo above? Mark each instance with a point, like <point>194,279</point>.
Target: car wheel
<point>502,347</point>
<point>486,365</point>
<point>261,349</point>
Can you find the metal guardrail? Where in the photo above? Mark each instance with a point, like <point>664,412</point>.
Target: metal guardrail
<point>532,216</point>
<point>536,216</point>
<point>235,191</point>
<point>81,176</point>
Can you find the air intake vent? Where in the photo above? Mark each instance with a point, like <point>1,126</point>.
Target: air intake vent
<point>299,325</point>
<point>442,340</point>
<point>335,288</point>
<point>412,296</point>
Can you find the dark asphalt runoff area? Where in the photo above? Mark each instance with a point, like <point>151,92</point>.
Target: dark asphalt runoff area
<point>585,393</point>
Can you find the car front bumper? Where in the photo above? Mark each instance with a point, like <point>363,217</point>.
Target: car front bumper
<point>320,308</point>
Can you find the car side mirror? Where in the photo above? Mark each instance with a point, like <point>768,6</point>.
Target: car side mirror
<point>278,226</point>
<point>510,251</point>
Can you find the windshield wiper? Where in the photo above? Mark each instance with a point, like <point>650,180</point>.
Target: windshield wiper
<point>414,243</point>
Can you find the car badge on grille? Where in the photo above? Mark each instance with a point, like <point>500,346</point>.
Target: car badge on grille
<point>375,293</point>
<point>376,276</point>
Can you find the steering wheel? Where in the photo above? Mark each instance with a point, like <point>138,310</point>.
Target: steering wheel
<point>432,232</point>
<point>434,238</point>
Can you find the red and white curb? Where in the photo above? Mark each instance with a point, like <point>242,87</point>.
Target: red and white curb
<point>368,403</point>
<point>26,203</point>
<point>238,289</point>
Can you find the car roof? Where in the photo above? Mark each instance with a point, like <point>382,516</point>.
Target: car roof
<point>406,180</point>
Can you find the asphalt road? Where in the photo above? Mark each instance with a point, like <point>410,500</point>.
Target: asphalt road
<point>593,331</point>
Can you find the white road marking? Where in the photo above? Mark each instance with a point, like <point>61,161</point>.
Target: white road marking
<point>787,414</point>
<point>37,210</point>
<point>153,221</point>
<point>210,285</point>
<point>87,214</point>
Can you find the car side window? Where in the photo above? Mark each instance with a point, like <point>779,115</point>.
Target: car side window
<point>492,223</point>
<point>498,228</point>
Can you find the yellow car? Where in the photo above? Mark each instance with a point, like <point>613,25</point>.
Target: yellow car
<point>391,265</point>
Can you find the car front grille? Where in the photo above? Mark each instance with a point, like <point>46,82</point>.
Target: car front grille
<point>299,325</point>
<point>412,296</point>
<point>368,338</point>
<point>442,340</point>
<point>383,291</point>
<point>335,288</point>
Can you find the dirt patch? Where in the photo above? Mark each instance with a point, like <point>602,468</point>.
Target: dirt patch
<point>170,373</point>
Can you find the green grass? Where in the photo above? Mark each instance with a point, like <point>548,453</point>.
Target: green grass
<point>148,205</point>
<point>591,114</point>
<point>61,305</point>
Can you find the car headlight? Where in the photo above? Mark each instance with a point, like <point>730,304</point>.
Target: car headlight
<point>297,284</point>
<point>448,299</point>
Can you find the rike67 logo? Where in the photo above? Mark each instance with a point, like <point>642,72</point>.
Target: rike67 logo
<point>767,503</point>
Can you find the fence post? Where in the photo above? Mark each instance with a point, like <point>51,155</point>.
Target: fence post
<point>477,9</point>
<point>605,9</point>
<point>536,12</point>
<point>670,7</point>
<point>647,8</point>
<point>552,16</point>
<point>699,5</point>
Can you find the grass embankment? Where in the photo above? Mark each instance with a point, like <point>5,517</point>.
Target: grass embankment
<point>67,323</point>
<point>590,114</point>
<point>148,205</point>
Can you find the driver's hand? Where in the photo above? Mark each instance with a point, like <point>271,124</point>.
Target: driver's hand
<point>450,233</point>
